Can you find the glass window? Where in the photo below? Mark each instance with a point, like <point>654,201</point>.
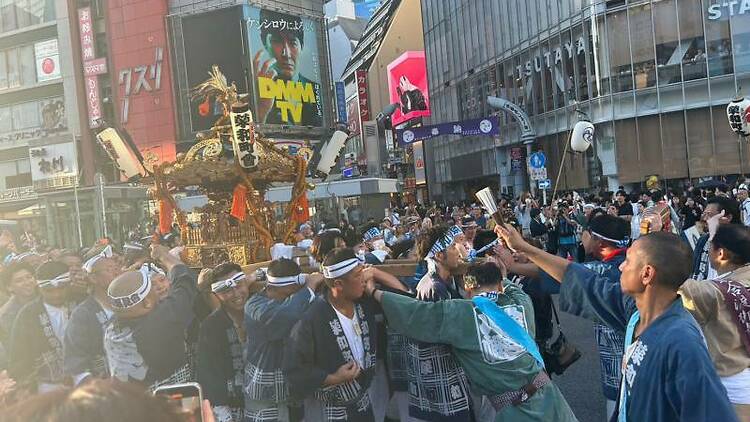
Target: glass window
<point>523,20</point>
<point>718,46</point>
<point>559,78</point>
<point>577,62</point>
<point>700,142</point>
<point>3,71</point>
<point>26,116</point>
<point>564,9</point>
<point>619,52</point>
<point>24,166</point>
<point>598,63</point>
<point>503,26</point>
<point>692,43</point>
<point>668,53</point>
<point>489,30</point>
<point>626,150</point>
<point>14,80</point>
<point>554,12</point>
<point>513,19</point>
<point>741,44</point>
<point>5,120</point>
<point>546,75</point>
<point>726,150</point>
<point>492,28</point>
<point>642,46</point>
<point>524,83</point>
<point>23,17</point>
<point>8,15</point>
<point>537,67</point>
<point>673,145</point>
<point>564,64</point>
<point>27,65</point>
<point>649,147</point>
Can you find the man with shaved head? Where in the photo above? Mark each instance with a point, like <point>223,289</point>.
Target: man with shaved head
<point>146,340</point>
<point>83,348</point>
<point>667,371</point>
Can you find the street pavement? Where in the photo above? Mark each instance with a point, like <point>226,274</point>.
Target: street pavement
<point>580,384</point>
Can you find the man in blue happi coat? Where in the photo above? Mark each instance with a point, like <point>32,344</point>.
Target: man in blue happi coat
<point>667,371</point>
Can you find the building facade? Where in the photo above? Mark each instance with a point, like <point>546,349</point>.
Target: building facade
<point>44,142</point>
<point>653,76</point>
<point>345,29</point>
<point>68,69</point>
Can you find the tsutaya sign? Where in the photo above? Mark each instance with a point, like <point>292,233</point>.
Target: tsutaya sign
<point>553,57</point>
<point>722,9</point>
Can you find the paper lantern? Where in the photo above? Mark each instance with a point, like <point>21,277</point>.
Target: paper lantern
<point>738,113</point>
<point>330,151</point>
<point>125,155</point>
<point>583,136</point>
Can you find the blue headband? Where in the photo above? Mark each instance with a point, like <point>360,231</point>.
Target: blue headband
<point>444,242</point>
<point>371,234</point>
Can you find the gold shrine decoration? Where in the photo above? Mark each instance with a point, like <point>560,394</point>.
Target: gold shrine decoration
<point>257,164</point>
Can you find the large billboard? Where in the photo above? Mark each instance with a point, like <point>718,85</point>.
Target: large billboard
<point>407,83</point>
<point>285,59</point>
<point>212,38</point>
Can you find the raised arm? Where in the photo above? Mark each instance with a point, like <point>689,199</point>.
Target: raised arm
<point>280,315</point>
<point>553,265</point>
<point>422,321</point>
<point>583,292</point>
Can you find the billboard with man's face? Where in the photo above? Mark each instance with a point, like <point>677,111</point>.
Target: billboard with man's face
<point>407,83</point>
<point>286,68</point>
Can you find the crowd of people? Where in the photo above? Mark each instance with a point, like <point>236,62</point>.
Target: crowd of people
<point>466,334</point>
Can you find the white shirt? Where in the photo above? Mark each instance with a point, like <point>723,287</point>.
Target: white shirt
<point>745,207</point>
<point>58,319</point>
<point>738,387</point>
<point>354,339</point>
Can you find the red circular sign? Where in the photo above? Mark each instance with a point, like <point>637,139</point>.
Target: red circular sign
<point>48,66</point>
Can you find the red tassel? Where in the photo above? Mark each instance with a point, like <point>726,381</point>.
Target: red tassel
<point>301,210</point>
<point>239,202</point>
<point>165,216</point>
<point>204,108</point>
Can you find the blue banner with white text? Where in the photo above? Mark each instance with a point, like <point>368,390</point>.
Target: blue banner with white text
<point>489,126</point>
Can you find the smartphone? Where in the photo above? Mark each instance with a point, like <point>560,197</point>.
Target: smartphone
<point>188,396</point>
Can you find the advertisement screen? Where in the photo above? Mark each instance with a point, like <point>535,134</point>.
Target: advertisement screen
<point>407,83</point>
<point>352,116</point>
<point>212,38</point>
<point>285,60</point>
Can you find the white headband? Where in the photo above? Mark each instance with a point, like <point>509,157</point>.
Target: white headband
<point>55,282</point>
<point>285,281</point>
<point>619,243</point>
<point>153,269</point>
<point>88,266</point>
<point>340,269</point>
<point>134,246</point>
<point>228,283</point>
<point>23,255</point>
<point>125,302</point>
